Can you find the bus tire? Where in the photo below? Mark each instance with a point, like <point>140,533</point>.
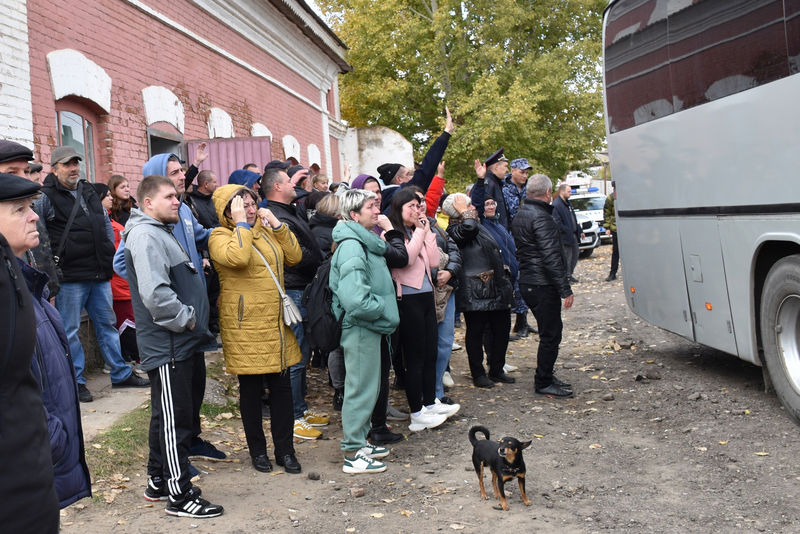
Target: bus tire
<point>780,331</point>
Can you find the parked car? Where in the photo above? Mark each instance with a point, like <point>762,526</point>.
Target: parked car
<point>591,205</point>
<point>591,234</point>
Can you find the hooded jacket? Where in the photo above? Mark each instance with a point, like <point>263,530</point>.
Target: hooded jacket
<point>188,231</point>
<point>361,284</point>
<point>52,367</point>
<point>167,293</point>
<point>243,177</point>
<point>255,339</point>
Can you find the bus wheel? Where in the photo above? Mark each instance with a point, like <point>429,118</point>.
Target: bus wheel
<point>780,331</point>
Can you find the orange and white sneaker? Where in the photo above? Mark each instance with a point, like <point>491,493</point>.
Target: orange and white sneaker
<point>314,419</point>
<point>302,430</point>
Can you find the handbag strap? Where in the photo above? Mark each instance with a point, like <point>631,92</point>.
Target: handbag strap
<point>75,207</point>
<point>280,289</point>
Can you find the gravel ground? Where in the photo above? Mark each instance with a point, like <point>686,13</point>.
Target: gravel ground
<point>662,436</point>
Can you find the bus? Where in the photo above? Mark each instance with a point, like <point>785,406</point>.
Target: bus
<point>702,106</point>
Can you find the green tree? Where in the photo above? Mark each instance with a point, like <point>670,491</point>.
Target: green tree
<point>524,74</point>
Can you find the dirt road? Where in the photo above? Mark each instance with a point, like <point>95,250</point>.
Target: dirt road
<point>661,436</point>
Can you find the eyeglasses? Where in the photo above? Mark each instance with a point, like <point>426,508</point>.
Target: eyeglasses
<point>490,203</point>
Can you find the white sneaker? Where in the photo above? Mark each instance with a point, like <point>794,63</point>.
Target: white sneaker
<point>447,380</point>
<point>508,368</point>
<point>375,452</point>
<point>456,346</point>
<point>361,463</point>
<point>426,419</point>
<point>444,409</point>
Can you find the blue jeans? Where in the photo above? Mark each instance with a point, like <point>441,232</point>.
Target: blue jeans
<point>445,343</point>
<point>297,372</point>
<point>72,298</point>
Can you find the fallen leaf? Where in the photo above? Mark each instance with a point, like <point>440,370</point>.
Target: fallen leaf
<point>538,436</point>
<point>456,526</point>
<point>595,446</point>
<point>723,442</point>
<point>407,513</point>
<point>762,453</point>
<point>377,515</point>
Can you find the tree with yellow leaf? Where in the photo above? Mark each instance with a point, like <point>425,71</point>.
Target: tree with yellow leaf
<point>524,74</point>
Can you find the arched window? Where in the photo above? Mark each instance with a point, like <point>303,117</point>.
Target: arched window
<point>78,127</point>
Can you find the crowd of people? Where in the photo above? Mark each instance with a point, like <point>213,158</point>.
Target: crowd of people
<point>181,268</point>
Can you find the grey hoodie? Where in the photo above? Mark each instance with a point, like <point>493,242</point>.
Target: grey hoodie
<point>167,293</point>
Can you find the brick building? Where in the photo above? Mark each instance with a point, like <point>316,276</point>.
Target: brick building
<point>122,80</point>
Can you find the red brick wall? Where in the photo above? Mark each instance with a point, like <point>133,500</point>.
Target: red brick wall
<point>137,51</point>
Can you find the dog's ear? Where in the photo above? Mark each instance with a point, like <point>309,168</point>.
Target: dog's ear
<point>524,444</point>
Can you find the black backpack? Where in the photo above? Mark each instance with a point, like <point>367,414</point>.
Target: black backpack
<point>322,328</point>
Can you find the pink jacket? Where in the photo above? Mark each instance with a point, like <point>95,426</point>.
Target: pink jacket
<point>422,254</point>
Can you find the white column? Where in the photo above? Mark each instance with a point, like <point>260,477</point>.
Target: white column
<point>16,111</point>
<point>326,133</point>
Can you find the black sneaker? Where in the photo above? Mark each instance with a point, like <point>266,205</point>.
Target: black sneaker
<point>84,395</point>
<point>202,449</point>
<point>190,504</point>
<point>156,490</point>
<point>133,381</point>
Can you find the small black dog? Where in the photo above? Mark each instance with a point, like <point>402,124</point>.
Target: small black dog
<point>504,458</point>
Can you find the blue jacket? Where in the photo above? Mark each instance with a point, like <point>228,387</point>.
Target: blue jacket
<point>188,231</point>
<point>508,249</point>
<point>52,367</point>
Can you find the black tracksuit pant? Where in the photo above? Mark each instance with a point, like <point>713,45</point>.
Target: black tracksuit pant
<point>614,254</point>
<point>175,413</point>
<point>498,322</point>
<point>545,303</point>
<point>419,341</point>
<point>251,389</point>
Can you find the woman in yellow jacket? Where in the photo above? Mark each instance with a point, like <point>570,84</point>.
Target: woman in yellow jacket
<point>259,348</point>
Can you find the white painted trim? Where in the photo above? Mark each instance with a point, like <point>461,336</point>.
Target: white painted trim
<point>291,147</point>
<point>220,124</point>
<point>162,105</point>
<point>269,29</point>
<point>221,51</point>
<point>72,73</point>
<point>16,110</point>
<point>314,155</point>
<point>259,130</point>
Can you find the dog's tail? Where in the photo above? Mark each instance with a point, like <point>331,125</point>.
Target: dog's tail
<point>475,429</point>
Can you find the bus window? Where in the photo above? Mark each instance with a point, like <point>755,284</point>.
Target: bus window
<point>720,48</point>
<point>792,14</point>
<point>637,63</point>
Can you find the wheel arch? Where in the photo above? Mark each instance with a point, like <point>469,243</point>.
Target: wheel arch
<point>769,252</point>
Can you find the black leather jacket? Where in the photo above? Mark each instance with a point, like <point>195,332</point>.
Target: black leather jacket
<point>480,255</point>
<point>539,250</point>
<point>444,242</point>
<point>300,275</point>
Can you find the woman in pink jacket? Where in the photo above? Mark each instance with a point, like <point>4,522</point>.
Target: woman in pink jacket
<point>418,330</point>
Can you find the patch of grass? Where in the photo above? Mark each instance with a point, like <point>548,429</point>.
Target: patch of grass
<point>123,447</point>
<point>213,410</point>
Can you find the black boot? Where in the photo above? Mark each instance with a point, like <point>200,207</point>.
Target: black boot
<point>521,326</point>
<point>338,399</point>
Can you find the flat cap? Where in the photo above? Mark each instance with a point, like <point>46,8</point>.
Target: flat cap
<point>36,167</point>
<point>520,163</point>
<point>12,187</point>
<point>278,164</point>
<point>388,171</point>
<point>64,154</point>
<point>11,151</point>
<point>494,158</point>
<point>293,169</point>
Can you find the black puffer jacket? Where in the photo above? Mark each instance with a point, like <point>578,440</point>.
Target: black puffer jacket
<point>539,250</point>
<point>300,275</point>
<point>445,243</point>
<point>479,254</point>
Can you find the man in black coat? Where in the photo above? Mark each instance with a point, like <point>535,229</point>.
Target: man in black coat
<point>567,222</point>
<point>543,279</point>
<point>28,502</point>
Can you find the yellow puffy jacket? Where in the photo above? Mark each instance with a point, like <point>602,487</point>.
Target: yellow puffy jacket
<point>255,339</point>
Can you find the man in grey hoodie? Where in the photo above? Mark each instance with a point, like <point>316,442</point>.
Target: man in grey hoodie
<point>169,301</point>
